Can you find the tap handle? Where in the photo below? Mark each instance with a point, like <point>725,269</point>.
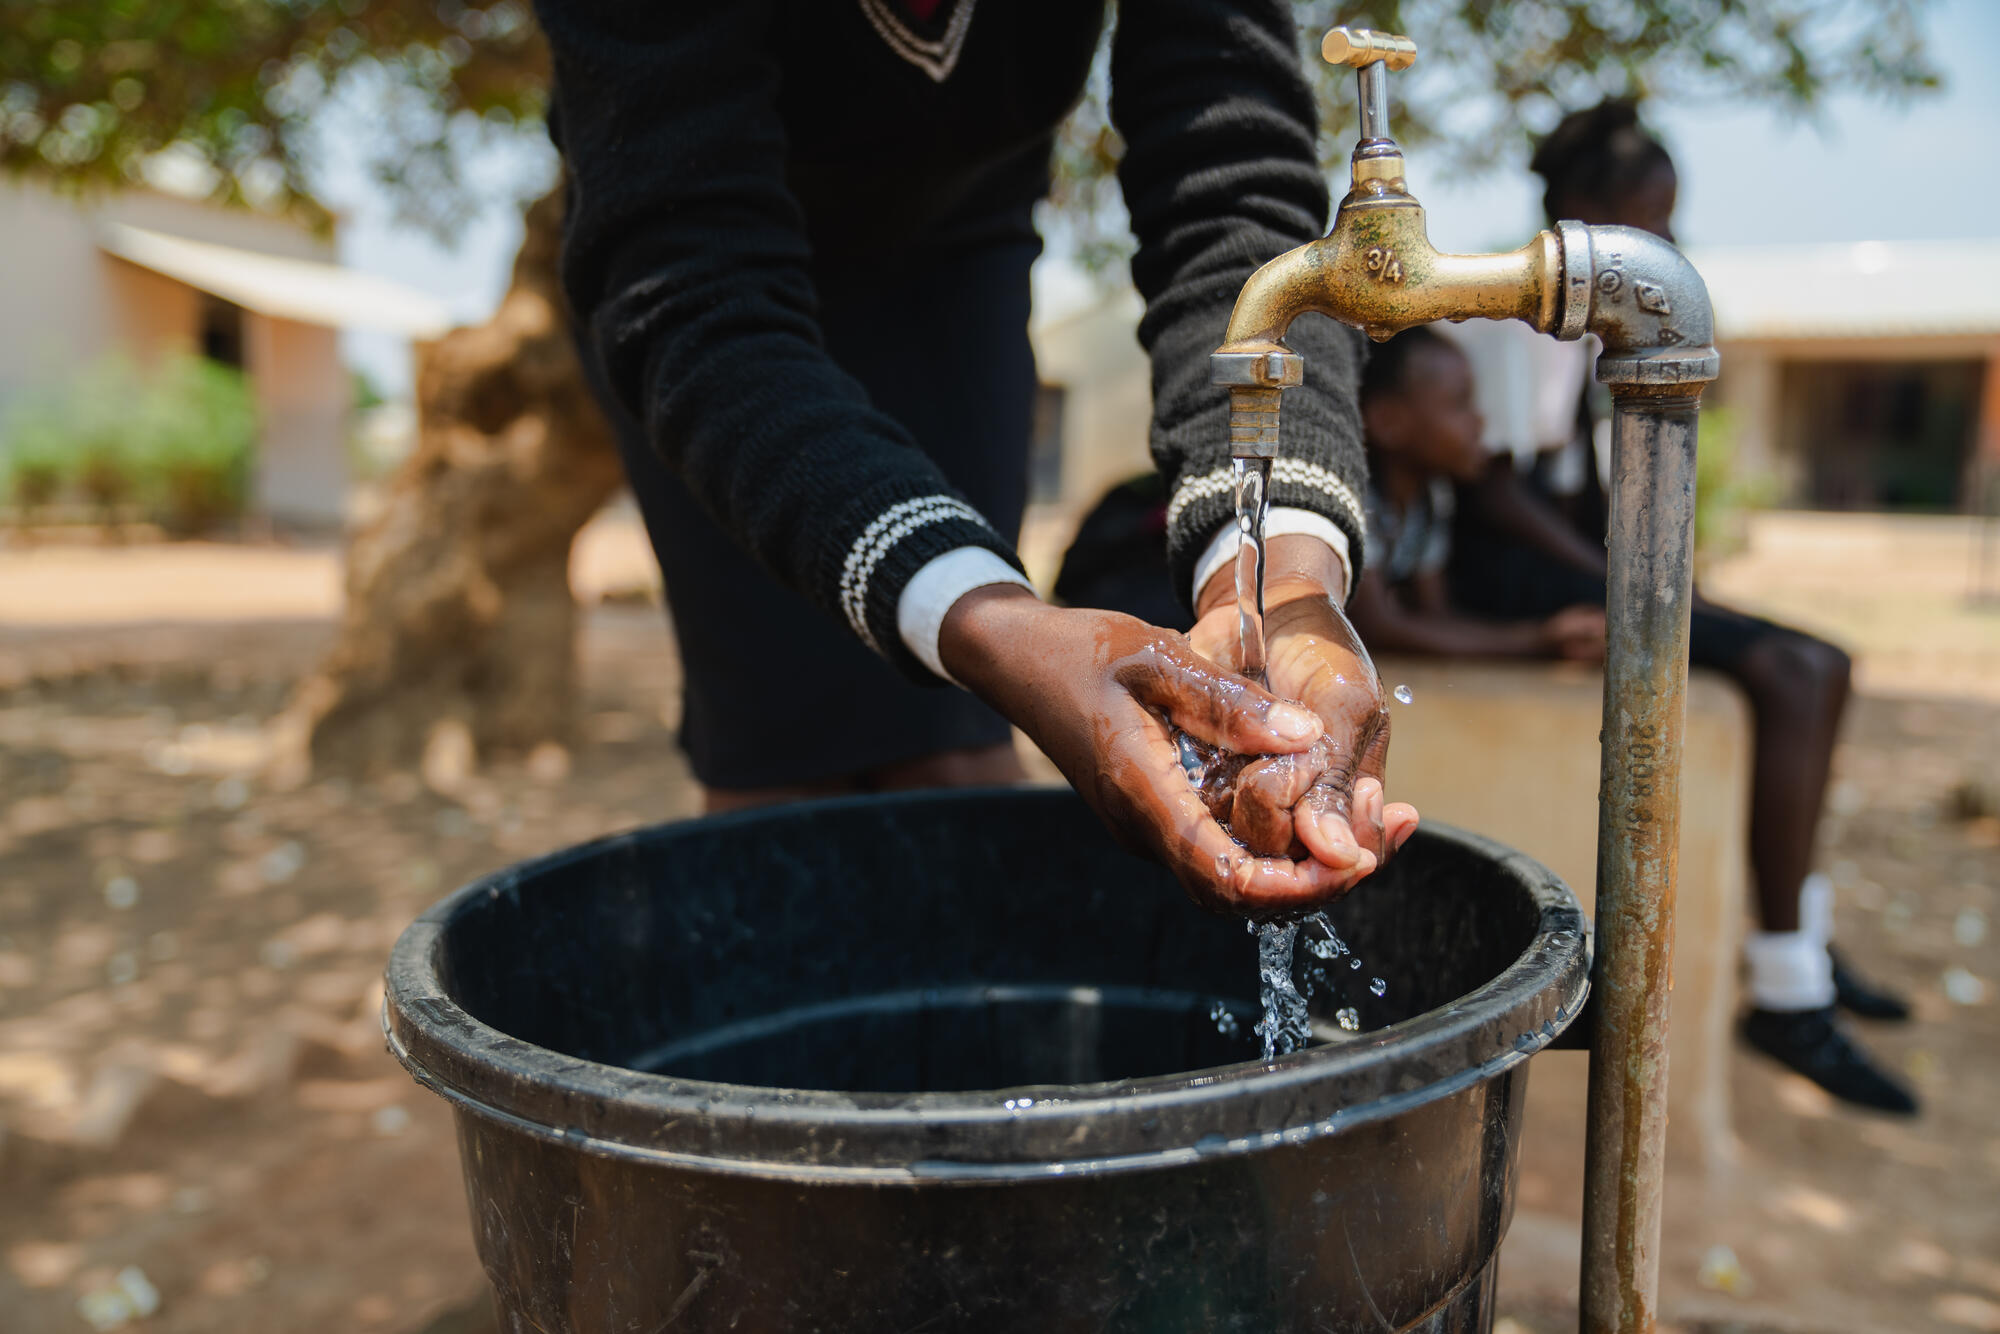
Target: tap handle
<point>1372,54</point>
<point>1365,46</point>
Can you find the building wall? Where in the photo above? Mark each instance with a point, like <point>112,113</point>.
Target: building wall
<point>55,288</point>
<point>302,398</point>
<point>69,304</point>
<point>151,316</point>
<point>1762,381</point>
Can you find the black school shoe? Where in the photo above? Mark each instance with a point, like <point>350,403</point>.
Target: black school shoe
<point>1858,996</point>
<point>1810,1042</point>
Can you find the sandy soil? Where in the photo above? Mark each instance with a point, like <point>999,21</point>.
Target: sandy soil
<point>191,1074</point>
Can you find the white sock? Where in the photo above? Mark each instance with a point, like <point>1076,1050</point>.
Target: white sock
<point>1789,970</point>
<point>1816,907</point>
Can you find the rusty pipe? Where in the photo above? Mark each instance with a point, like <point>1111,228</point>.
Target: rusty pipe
<point>1647,598</point>
<point>1652,312</point>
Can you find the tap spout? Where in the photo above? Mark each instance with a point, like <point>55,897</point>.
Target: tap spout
<point>1378,271</point>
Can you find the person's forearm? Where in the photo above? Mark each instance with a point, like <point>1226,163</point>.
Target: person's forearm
<point>1514,509</point>
<point>1220,174</point>
<point>1450,636</point>
<point>982,635</point>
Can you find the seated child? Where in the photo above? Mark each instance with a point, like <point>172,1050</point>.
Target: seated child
<point>1423,435</point>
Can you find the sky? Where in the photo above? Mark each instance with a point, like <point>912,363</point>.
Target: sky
<point>1862,170</point>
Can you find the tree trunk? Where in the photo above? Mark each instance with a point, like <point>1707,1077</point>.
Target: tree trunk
<point>459,626</point>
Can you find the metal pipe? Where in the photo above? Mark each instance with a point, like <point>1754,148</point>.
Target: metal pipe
<point>1647,599</point>
<point>1652,311</point>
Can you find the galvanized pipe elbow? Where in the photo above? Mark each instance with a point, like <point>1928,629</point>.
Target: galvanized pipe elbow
<point>1641,296</point>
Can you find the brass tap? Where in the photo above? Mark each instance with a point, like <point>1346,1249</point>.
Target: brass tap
<point>1377,270</point>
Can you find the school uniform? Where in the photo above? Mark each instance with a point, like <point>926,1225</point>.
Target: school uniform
<point>797,250</point>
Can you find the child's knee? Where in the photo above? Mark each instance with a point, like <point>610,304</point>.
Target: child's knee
<point>1793,667</point>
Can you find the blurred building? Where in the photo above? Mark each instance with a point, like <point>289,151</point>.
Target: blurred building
<point>1857,377</point>
<point>1862,376</point>
<point>148,274</point>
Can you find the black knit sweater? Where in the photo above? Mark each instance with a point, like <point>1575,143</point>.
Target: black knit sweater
<point>717,149</point>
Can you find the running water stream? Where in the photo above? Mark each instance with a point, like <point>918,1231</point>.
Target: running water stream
<point>1253,503</point>
<point>1286,1025</point>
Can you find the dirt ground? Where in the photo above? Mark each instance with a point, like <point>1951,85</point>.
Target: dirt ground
<point>193,1086</point>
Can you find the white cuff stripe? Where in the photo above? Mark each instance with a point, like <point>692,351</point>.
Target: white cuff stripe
<point>932,592</point>
<point>1285,472</point>
<point>878,538</point>
<point>1284,521</point>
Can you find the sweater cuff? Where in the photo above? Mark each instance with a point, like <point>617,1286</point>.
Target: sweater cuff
<point>901,539</point>
<point>936,588</point>
<point>1203,503</point>
<point>1282,521</point>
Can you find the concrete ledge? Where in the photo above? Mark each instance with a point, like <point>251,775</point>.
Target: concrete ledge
<point>1510,750</point>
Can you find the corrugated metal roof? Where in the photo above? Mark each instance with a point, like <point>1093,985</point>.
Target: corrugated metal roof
<point>1867,289</point>
<point>279,286</point>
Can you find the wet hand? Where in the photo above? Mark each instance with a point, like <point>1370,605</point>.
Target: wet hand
<point>1329,801</point>
<point>1102,694</point>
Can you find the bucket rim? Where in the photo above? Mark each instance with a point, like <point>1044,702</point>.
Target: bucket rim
<point>972,1136</point>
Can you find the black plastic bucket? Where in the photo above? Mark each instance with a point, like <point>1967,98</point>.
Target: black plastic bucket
<point>946,1062</point>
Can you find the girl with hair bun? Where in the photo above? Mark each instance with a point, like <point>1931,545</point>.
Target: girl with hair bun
<point>1604,166</point>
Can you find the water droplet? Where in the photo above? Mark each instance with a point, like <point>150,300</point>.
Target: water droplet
<point>1404,695</point>
<point>1968,929</point>
<point>1378,986</point>
<point>1224,1020</point>
<point>1190,759</point>
<point>1354,963</point>
<point>122,968</point>
<point>1348,1018</point>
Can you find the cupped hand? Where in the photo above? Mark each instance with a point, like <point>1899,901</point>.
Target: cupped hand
<point>1328,801</point>
<point>1102,694</point>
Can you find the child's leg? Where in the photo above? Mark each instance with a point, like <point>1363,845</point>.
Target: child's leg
<point>1798,688</point>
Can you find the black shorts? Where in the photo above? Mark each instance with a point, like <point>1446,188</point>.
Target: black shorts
<point>1500,578</point>
<point>778,693</point>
